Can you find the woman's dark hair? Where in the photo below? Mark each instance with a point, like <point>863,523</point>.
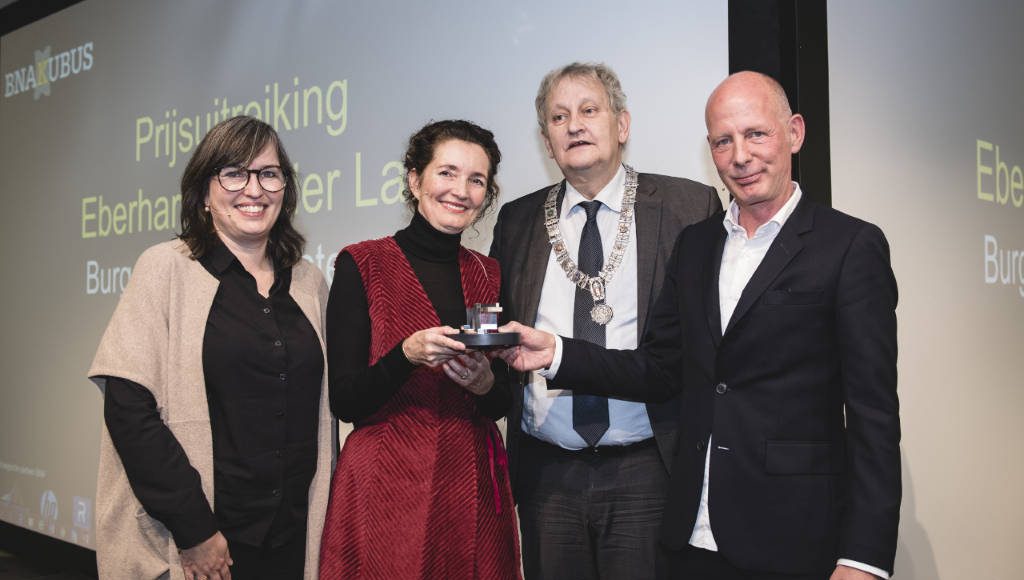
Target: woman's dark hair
<point>237,141</point>
<point>425,141</point>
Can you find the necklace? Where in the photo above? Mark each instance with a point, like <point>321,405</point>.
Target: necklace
<point>601,313</point>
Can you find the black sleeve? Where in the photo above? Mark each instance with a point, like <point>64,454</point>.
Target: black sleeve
<point>496,403</point>
<point>159,472</point>
<point>357,390</point>
<point>865,325</point>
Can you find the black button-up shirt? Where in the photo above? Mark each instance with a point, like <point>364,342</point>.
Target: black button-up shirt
<point>263,366</point>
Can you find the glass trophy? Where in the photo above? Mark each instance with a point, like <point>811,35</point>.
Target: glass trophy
<point>481,328</point>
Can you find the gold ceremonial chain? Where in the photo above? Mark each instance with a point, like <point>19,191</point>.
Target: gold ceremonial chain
<point>601,313</point>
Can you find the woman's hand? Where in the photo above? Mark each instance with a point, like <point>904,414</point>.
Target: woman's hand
<point>208,560</point>
<point>471,371</point>
<point>432,347</point>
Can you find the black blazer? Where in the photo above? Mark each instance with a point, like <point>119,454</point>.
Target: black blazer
<point>664,206</point>
<point>793,486</point>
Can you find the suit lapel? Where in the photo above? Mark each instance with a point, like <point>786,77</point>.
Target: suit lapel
<point>712,301</point>
<point>648,236</point>
<point>535,263</point>
<point>785,247</point>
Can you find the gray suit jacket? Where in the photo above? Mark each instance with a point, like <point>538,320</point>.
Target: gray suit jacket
<point>664,206</point>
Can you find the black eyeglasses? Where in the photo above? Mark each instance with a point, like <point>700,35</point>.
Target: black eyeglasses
<point>271,178</point>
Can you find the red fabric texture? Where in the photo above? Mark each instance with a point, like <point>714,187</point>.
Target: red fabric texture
<point>414,492</point>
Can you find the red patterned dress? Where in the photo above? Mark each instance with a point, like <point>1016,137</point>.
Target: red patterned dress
<point>421,487</point>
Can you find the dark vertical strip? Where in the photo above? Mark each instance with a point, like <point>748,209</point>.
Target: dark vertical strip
<point>788,40</point>
<point>39,556</point>
<point>25,12</point>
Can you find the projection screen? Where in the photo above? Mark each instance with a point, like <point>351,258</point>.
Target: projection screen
<point>928,142</point>
<point>105,101</point>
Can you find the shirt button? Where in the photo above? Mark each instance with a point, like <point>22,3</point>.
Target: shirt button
<point>276,493</point>
<point>721,388</point>
<point>283,376</point>
<point>278,343</point>
<point>266,310</point>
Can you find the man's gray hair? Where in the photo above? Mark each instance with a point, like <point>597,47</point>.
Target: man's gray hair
<point>599,72</point>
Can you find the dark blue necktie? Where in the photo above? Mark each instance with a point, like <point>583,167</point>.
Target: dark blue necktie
<point>589,412</point>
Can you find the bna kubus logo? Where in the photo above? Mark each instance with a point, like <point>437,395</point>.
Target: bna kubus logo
<point>47,69</point>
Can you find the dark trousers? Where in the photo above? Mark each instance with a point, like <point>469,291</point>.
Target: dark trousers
<point>696,564</point>
<point>265,563</point>
<point>590,515</point>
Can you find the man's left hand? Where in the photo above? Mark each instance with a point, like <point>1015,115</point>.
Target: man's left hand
<point>848,573</point>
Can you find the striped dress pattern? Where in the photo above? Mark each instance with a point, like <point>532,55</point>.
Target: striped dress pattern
<point>421,488</point>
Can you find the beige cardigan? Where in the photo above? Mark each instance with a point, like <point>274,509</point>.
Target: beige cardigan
<point>155,338</point>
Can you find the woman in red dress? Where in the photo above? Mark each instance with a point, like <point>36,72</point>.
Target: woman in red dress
<point>421,488</point>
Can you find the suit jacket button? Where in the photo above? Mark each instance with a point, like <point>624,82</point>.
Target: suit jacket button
<point>700,446</point>
<point>721,388</point>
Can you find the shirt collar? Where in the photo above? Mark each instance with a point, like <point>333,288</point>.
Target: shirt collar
<point>610,195</point>
<point>732,223</point>
<point>218,257</point>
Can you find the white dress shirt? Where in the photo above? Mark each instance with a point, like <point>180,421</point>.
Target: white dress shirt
<point>547,414</point>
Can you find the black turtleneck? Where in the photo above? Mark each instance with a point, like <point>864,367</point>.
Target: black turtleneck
<point>434,257</point>
<point>358,391</point>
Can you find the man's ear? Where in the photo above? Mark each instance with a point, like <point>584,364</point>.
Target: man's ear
<point>796,130</point>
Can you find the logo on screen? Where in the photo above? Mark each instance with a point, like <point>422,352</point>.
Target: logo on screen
<point>48,506</point>
<point>46,69</point>
<point>81,512</point>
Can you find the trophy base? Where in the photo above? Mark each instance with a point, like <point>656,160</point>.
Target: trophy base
<point>488,340</point>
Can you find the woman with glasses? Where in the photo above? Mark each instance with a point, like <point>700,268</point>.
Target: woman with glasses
<point>421,489</point>
<point>217,442</point>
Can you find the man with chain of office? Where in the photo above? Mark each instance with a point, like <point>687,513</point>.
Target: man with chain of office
<point>583,258</point>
